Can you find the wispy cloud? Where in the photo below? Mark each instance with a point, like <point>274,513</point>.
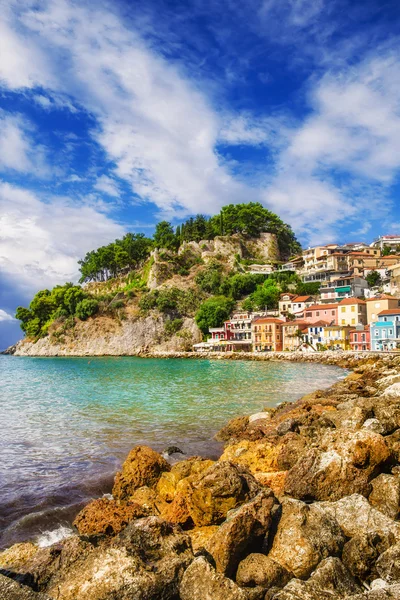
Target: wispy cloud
<point>5,316</point>
<point>18,151</point>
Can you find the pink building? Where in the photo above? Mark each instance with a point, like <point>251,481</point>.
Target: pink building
<point>322,312</point>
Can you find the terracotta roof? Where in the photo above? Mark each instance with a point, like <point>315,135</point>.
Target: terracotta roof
<point>319,324</point>
<point>352,301</point>
<point>298,323</point>
<point>287,294</point>
<point>322,306</point>
<point>389,256</point>
<point>390,311</point>
<point>267,320</point>
<point>302,298</point>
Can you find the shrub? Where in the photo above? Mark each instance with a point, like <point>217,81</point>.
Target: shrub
<point>86,308</point>
<point>172,326</point>
<point>213,312</point>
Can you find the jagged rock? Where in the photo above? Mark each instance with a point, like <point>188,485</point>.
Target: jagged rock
<point>306,534</point>
<point>374,425</point>
<point>390,592</point>
<point>385,495</point>
<point>167,484</point>
<point>17,555</point>
<point>106,517</point>
<point>349,416</point>
<point>142,467</point>
<point>388,415</point>
<point>201,582</point>
<point>260,416</point>
<point>330,581</point>
<point>149,500</point>
<point>388,564</point>
<point>343,464</point>
<point>11,590</point>
<point>393,442</point>
<point>260,570</point>
<point>356,516</point>
<point>245,528</point>
<point>234,429</point>
<point>275,481</point>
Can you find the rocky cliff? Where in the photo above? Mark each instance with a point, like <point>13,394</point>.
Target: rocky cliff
<point>303,504</point>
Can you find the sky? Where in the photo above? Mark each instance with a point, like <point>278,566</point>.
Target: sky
<point>115,115</point>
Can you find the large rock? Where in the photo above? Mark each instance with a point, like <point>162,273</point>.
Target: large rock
<point>330,581</point>
<point>201,582</point>
<point>149,500</point>
<point>388,415</point>
<point>11,590</point>
<point>343,464</point>
<point>385,495</point>
<point>142,467</point>
<point>17,555</point>
<point>361,552</point>
<point>356,516</point>
<point>260,570</point>
<point>306,535</point>
<point>245,528</point>
<point>192,467</point>
<point>106,517</point>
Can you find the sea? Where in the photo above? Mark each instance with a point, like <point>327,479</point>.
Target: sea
<point>68,423</point>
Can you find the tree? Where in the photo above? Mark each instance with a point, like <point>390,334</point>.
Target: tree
<point>373,279</point>
<point>86,308</point>
<point>386,251</point>
<point>213,312</point>
<point>266,295</point>
<point>164,236</point>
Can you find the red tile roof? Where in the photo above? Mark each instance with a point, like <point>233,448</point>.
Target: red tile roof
<point>319,324</point>
<point>390,311</point>
<point>298,323</point>
<point>322,307</point>
<point>352,301</point>
<point>267,320</point>
<point>302,298</point>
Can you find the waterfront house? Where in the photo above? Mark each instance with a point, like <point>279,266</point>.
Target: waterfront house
<point>360,338</point>
<point>379,304</point>
<point>352,311</point>
<point>294,335</point>
<point>385,332</point>
<point>322,312</point>
<point>267,334</point>
<point>337,337</point>
<point>315,334</point>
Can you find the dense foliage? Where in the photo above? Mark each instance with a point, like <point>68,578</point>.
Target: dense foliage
<point>213,312</point>
<point>62,301</point>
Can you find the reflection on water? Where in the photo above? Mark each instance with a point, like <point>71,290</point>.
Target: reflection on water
<point>67,423</point>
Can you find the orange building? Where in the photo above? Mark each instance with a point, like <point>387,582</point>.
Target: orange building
<point>267,334</point>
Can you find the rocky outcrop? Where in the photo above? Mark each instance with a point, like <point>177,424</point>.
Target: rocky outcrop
<point>302,505</point>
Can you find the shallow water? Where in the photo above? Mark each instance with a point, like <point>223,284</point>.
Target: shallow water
<point>67,423</point>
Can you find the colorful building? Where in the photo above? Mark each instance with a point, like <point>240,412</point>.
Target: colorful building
<point>337,337</point>
<point>294,335</point>
<point>267,334</point>
<point>343,287</point>
<point>292,304</point>
<point>385,332</point>
<point>360,338</point>
<point>377,305</point>
<point>352,311</point>
<point>315,334</point>
<point>322,312</point>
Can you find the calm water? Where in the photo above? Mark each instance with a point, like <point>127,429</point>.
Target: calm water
<point>67,423</point>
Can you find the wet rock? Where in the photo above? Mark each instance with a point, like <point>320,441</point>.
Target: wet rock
<point>142,467</point>
<point>106,517</point>
<point>11,590</point>
<point>260,570</point>
<point>306,534</point>
<point>17,555</point>
<point>385,495</point>
<point>244,529</point>
<point>201,582</point>
<point>234,429</point>
<point>356,516</point>
<point>343,464</point>
<point>388,564</point>
<point>330,581</point>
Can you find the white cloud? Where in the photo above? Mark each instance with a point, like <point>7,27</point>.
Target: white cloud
<point>17,149</point>
<point>5,316</point>
<point>41,242</point>
<point>107,185</point>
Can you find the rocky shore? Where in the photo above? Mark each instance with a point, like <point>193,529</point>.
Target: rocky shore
<point>303,504</point>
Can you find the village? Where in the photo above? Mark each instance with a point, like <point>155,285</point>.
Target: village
<point>353,310</point>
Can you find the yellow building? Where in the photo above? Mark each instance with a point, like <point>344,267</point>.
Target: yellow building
<point>294,334</point>
<point>352,311</point>
<point>267,334</point>
<point>377,305</point>
<point>337,337</point>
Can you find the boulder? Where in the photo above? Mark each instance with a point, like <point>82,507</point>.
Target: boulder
<point>388,415</point>
<point>11,590</point>
<point>330,581</point>
<point>388,564</point>
<point>343,464</point>
<point>360,554</point>
<point>201,582</point>
<point>385,495</point>
<point>200,536</point>
<point>106,517</point>
<point>260,570</point>
<point>167,484</point>
<point>244,529</point>
<point>275,481</point>
<point>220,488</point>
<point>233,430</point>
<point>142,467</point>
<point>306,534</point>
<point>149,500</point>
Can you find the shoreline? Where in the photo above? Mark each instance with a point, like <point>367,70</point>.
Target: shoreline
<point>348,413</point>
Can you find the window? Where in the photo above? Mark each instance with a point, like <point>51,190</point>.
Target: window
<point>353,309</point>
<point>343,321</point>
<point>353,321</point>
<point>333,313</point>
<point>343,309</point>
<point>390,331</point>
<point>355,337</point>
<point>376,333</point>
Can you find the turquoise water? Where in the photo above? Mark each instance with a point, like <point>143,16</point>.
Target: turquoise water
<point>68,423</point>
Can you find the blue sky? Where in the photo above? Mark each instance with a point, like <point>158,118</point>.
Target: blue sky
<point>114,115</point>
